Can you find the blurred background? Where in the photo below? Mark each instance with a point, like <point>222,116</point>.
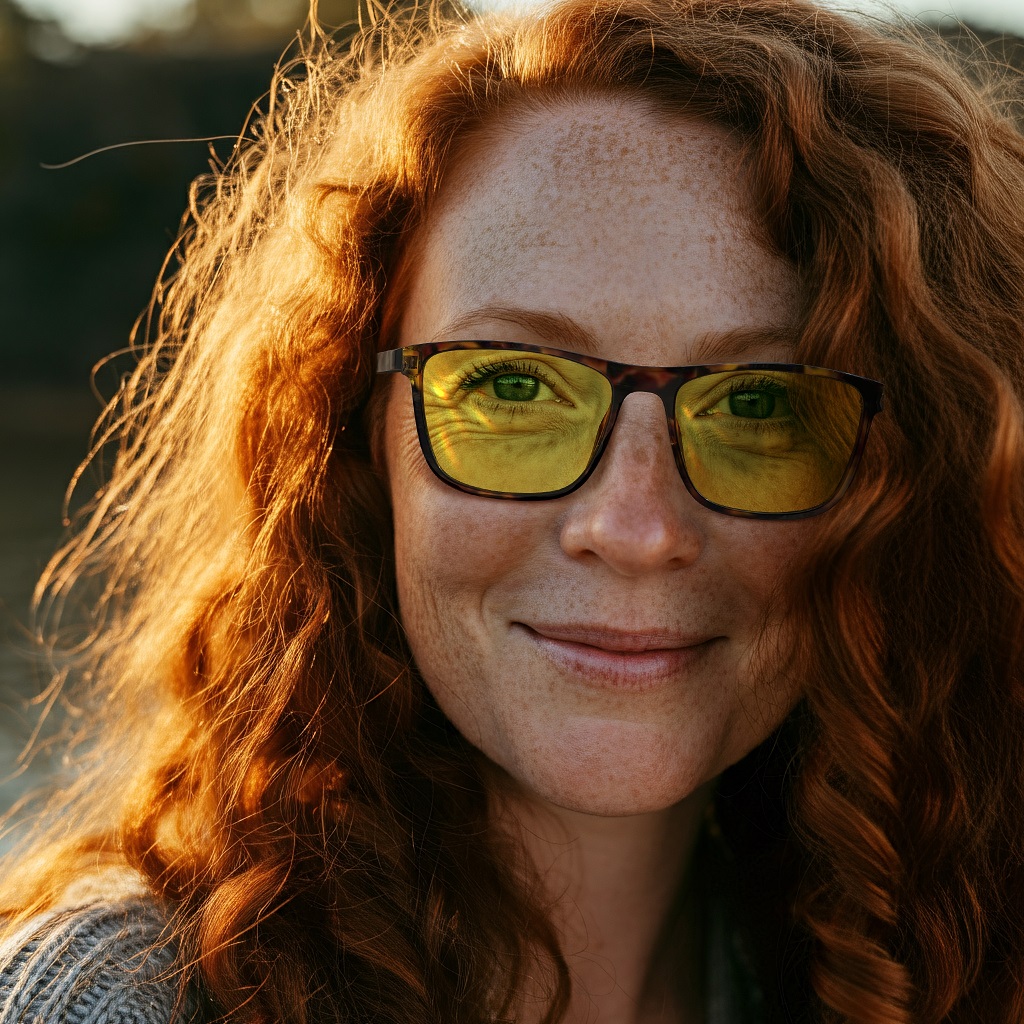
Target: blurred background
<point>80,247</point>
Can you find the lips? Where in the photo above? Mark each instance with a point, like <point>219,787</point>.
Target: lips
<point>599,658</point>
<point>610,639</point>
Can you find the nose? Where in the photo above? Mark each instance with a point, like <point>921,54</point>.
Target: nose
<point>634,511</point>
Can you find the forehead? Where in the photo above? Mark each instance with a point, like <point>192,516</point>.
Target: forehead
<point>634,223</point>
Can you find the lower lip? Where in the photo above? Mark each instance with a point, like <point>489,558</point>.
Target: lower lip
<point>620,670</point>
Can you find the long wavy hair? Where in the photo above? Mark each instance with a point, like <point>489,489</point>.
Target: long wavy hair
<point>259,745</point>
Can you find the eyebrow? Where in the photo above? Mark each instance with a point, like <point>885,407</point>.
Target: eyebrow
<point>557,329</point>
<point>561,331</point>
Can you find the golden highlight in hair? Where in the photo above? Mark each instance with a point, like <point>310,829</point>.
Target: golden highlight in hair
<point>258,744</point>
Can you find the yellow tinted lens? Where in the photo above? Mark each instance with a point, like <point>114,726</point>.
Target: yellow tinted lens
<point>516,422</point>
<point>767,440</point>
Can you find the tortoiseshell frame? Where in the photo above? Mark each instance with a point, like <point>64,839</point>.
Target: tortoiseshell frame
<point>663,381</point>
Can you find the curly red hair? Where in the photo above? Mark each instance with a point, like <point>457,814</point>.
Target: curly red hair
<point>263,750</point>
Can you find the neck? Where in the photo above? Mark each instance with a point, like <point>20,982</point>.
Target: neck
<point>622,905</point>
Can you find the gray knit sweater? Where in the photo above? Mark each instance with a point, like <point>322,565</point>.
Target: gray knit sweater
<point>103,963</point>
<point>106,962</point>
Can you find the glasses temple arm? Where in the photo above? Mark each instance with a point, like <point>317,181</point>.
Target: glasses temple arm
<point>391,361</point>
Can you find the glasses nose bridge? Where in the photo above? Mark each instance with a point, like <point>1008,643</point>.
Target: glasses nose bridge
<point>640,379</point>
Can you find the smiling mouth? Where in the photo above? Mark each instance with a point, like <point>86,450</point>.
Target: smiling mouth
<point>637,669</point>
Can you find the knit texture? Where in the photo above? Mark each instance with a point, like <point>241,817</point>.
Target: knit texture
<point>106,961</point>
<point>103,963</point>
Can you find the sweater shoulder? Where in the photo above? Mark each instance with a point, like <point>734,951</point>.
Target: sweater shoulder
<point>107,962</point>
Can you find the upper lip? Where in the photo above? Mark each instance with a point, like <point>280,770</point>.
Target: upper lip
<point>612,639</point>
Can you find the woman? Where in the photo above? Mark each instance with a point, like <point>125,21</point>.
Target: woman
<point>512,600</point>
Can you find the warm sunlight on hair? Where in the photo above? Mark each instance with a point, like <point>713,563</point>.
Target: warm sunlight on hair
<point>255,740</point>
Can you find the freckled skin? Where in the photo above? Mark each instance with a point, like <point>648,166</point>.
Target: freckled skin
<point>641,228</point>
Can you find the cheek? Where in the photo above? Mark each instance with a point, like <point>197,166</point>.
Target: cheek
<point>449,549</point>
<point>765,570</point>
<point>762,556</point>
<point>418,542</point>
<point>436,527</point>
<point>426,561</point>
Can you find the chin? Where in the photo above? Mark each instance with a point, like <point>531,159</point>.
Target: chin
<point>618,798</point>
<point>608,805</point>
<point>611,787</point>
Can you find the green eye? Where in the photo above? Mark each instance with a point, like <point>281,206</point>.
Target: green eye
<point>757,404</point>
<point>516,387</point>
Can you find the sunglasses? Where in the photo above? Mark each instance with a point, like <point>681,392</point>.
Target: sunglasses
<point>527,422</point>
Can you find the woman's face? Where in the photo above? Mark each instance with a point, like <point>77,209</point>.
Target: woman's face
<point>598,217</point>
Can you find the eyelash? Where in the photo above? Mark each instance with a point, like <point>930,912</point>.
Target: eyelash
<point>488,371</point>
<point>738,384</point>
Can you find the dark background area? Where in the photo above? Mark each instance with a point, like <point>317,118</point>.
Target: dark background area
<point>80,250</point>
<point>80,247</point>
